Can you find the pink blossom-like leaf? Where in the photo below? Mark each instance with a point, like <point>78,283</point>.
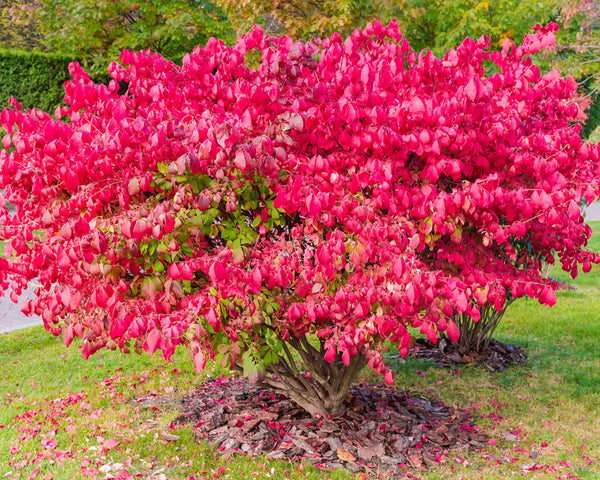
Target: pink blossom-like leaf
<point>110,444</point>
<point>452,331</point>
<point>153,341</point>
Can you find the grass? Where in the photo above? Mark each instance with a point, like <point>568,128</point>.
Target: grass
<point>551,406</point>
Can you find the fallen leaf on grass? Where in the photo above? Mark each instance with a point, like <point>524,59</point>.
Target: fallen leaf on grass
<point>124,475</point>
<point>110,443</point>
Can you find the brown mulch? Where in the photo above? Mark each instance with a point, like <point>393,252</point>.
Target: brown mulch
<point>496,357</point>
<point>381,429</point>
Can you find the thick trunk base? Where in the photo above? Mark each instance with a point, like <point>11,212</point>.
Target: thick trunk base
<point>316,393</point>
<point>318,386</point>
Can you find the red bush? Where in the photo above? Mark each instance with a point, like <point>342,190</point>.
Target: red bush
<point>340,194</point>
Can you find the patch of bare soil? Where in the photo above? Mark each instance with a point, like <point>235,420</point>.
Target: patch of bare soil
<point>498,356</point>
<point>380,431</point>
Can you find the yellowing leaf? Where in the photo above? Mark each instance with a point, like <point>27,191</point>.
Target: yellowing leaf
<point>345,455</point>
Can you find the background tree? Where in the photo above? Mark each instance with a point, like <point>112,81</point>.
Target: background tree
<point>578,53</point>
<point>579,42</point>
<point>95,32</point>
<point>16,33</point>
<point>442,24</point>
<point>301,19</point>
<point>434,24</point>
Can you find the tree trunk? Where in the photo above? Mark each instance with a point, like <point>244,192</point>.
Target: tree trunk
<point>318,386</point>
<point>476,336</point>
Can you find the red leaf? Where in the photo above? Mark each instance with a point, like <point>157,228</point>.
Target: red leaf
<point>174,271</point>
<point>574,211</point>
<point>452,331</point>
<point>153,341</point>
<point>82,227</point>
<point>471,90</point>
<point>240,160</point>
<point>199,361</point>
<point>65,297</point>
<point>330,353</point>
<point>313,204</point>
<point>297,123</point>
<point>346,357</point>
<point>49,444</point>
<point>186,272</point>
<point>67,335</point>
<point>124,475</point>
<point>217,272</point>
<point>169,224</point>
<point>110,444</point>
<point>461,302</point>
<point>133,187</point>
<point>410,293</point>
<point>63,260</point>
<point>417,105</point>
<point>256,278</point>
<point>550,296</point>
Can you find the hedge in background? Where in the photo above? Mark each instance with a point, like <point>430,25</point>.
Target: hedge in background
<point>34,79</point>
<point>593,120</point>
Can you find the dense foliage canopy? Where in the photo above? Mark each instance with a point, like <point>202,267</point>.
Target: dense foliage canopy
<point>335,198</point>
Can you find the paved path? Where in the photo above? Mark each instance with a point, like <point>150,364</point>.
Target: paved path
<point>11,317</point>
<point>592,213</point>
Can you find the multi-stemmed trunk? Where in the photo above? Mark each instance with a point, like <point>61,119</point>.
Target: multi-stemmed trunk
<point>476,336</point>
<point>303,375</point>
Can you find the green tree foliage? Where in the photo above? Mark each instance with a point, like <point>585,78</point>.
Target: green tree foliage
<point>97,30</point>
<point>579,42</point>
<point>302,18</point>
<point>21,35</point>
<point>433,24</point>
<point>442,24</point>
<point>577,53</point>
<point>593,116</point>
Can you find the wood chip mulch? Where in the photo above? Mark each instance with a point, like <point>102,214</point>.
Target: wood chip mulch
<point>498,356</point>
<point>380,431</point>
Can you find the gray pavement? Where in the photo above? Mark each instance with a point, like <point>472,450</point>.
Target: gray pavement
<point>592,213</point>
<point>11,317</point>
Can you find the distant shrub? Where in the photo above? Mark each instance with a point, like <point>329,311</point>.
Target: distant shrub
<point>593,120</point>
<point>34,79</point>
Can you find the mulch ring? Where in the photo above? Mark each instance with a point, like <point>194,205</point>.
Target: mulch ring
<point>496,357</point>
<point>380,431</point>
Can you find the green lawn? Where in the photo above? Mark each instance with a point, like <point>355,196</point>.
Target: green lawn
<point>64,417</point>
